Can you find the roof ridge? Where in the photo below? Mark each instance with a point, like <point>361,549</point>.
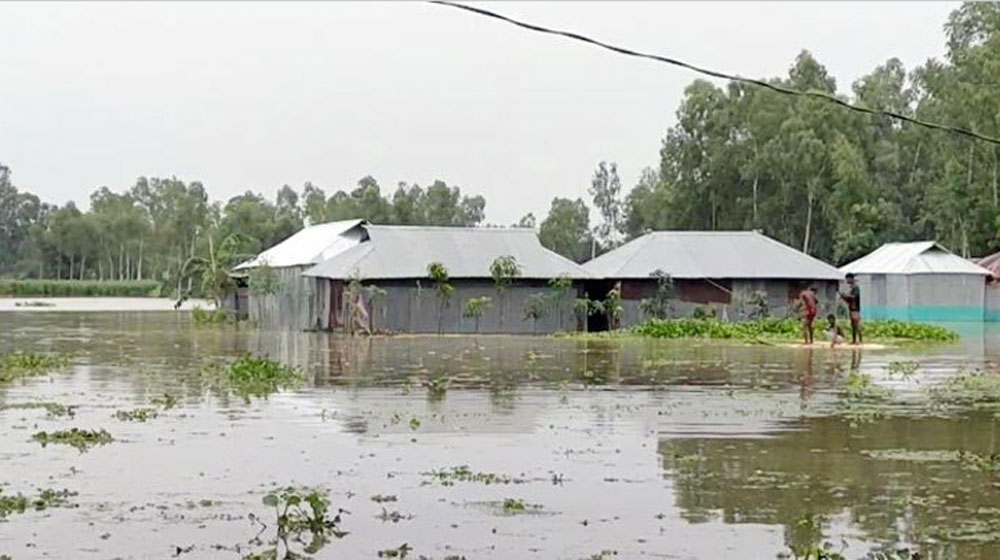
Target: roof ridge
<point>476,229</point>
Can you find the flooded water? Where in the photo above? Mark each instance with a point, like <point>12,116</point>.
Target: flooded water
<point>624,449</point>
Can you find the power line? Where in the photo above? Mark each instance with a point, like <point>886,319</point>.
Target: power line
<point>716,74</point>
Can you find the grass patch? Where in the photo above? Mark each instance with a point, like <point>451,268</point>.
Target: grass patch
<point>781,329</point>
<point>136,414</point>
<point>52,409</point>
<point>19,503</point>
<point>79,288</point>
<point>75,437</point>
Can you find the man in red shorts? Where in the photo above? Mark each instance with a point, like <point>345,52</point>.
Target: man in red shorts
<point>811,306</point>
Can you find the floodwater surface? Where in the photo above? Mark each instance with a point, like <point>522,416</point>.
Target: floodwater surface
<point>606,448</point>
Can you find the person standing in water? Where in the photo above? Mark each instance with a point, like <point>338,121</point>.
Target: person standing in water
<point>811,305</point>
<point>852,297</point>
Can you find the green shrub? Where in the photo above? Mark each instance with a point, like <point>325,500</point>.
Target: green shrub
<point>79,288</point>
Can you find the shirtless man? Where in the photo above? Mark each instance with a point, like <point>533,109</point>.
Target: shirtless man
<point>853,300</point>
<point>811,305</point>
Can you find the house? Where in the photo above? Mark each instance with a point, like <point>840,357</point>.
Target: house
<point>391,264</point>
<point>289,299</point>
<point>992,264</point>
<point>731,274</point>
<point>919,281</point>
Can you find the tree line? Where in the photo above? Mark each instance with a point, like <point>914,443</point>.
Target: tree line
<point>831,182</point>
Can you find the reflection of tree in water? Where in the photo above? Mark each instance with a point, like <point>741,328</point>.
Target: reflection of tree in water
<point>897,479</point>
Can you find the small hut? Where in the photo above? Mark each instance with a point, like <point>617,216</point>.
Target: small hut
<point>729,274</point>
<point>290,301</point>
<point>919,281</point>
<point>992,264</point>
<point>391,264</point>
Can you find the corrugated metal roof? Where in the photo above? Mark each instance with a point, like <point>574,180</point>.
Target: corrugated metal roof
<point>709,254</point>
<point>991,263</point>
<point>405,252</point>
<point>918,257</point>
<point>310,245</point>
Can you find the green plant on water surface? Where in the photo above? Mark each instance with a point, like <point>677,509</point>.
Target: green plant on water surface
<point>18,365</point>
<point>400,551</point>
<point>514,505</point>
<point>257,376</point>
<point>438,387</point>
<point>659,306</point>
<point>52,409</point>
<point>986,464</point>
<point>860,387</point>
<point>475,307</point>
<point>414,423</point>
<point>438,274</point>
<point>504,270</point>
<point>19,503</point>
<point>74,437</point>
<point>167,401</point>
<point>602,555</point>
<point>462,473</point>
<point>383,498</point>
<point>536,307</point>
<point>968,388</point>
<point>781,329</point>
<point>903,368</point>
<point>300,514</point>
<point>136,414</point>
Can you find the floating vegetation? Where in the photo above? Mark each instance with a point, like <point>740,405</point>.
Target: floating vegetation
<point>382,499</point>
<point>19,503</point>
<point>785,329</point>
<point>903,368</point>
<point>438,387</point>
<point>860,387</point>
<point>400,551</point>
<point>968,388</point>
<point>448,477</point>
<point>300,514</point>
<point>393,516</point>
<point>213,316</point>
<point>414,423</point>
<point>986,464</point>
<point>52,409</point>
<point>17,365</point>
<point>253,376</point>
<point>167,401</point>
<point>603,555</point>
<point>911,455</point>
<point>136,414</point>
<point>75,437</point>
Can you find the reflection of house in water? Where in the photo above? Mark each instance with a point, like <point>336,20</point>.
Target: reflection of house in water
<point>722,271</point>
<point>920,281</point>
<point>896,478</point>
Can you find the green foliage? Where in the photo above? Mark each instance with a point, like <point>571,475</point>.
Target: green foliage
<point>438,387</point>
<point>438,274</point>
<point>969,388</point>
<point>382,499</point>
<point>658,306</point>
<point>75,437</point>
<point>782,329</point>
<point>18,365</point>
<point>536,307</point>
<point>566,229</point>
<point>504,270</point>
<point>860,387</point>
<point>19,503</point>
<point>52,409</point>
<point>136,414</point>
<point>612,308</point>
<point>903,368</point>
<point>400,551</point>
<point>301,513</point>
<point>212,317</point>
<point>986,464</point>
<point>167,401</point>
<point>263,280</point>
<point>475,307</point>
<point>254,376</point>
<point>79,288</point>
<point>462,473</point>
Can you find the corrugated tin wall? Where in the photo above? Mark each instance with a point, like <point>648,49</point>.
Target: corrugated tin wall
<point>293,307</point>
<point>923,297</point>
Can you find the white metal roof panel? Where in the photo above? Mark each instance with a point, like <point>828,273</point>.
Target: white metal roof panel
<point>918,257</point>
<point>405,252</point>
<point>310,245</point>
<point>709,254</point>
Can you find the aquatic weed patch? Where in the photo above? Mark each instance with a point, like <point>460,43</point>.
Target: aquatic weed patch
<point>45,499</point>
<point>401,551</point>
<point>17,365</point>
<point>302,516</point>
<point>462,473</point>
<point>75,437</point>
<point>781,329</point>
<point>167,401</point>
<point>975,388</point>
<point>136,414</point>
<point>52,409</point>
<point>255,376</point>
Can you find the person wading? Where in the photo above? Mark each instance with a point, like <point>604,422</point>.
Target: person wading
<point>853,300</point>
<point>811,305</point>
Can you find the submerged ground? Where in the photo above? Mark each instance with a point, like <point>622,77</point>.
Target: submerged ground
<point>575,448</point>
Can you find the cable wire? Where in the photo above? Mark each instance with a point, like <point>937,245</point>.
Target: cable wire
<point>722,75</point>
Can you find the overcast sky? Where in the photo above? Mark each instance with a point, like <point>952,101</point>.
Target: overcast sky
<point>255,95</point>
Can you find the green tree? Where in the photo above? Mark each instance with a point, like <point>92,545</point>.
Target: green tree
<point>504,270</point>
<point>475,307</point>
<point>566,229</point>
<point>438,274</point>
<point>605,189</point>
